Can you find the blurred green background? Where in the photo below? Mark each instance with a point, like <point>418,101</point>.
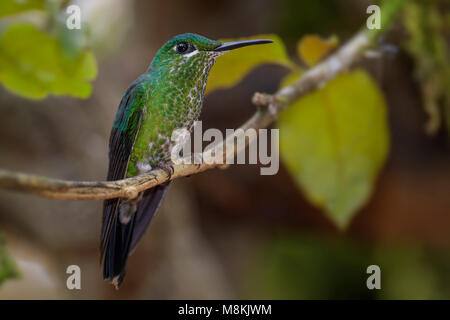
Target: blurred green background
<point>231,233</point>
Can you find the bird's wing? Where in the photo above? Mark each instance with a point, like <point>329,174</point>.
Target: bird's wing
<point>123,135</point>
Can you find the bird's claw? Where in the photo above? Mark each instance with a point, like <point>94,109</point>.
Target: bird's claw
<point>168,168</point>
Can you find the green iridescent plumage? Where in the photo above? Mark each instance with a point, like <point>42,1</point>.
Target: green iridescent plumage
<point>172,96</point>
<point>168,96</point>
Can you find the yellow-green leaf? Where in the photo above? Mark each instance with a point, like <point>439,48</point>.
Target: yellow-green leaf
<point>334,142</point>
<point>233,66</point>
<point>33,65</point>
<point>9,7</point>
<point>312,48</point>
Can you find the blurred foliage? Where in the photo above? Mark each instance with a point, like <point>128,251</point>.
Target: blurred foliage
<point>427,44</point>
<point>8,269</point>
<point>9,7</point>
<point>333,141</point>
<point>232,67</point>
<point>308,268</point>
<point>304,16</point>
<point>292,267</point>
<point>312,48</point>
<point>389,12</point>
<point>36,61</point>
<point>36,73</point>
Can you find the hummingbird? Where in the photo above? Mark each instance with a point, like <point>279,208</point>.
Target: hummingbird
<point>168,97</point>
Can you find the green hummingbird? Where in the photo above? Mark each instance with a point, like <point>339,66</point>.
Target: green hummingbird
<point>167,97</point>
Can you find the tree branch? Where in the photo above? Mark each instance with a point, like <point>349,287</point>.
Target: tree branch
<point>269,106</point>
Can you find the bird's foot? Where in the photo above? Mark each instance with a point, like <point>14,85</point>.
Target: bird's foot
<point>168,168</point>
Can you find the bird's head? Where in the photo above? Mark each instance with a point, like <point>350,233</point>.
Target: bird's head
<point>190,56</point>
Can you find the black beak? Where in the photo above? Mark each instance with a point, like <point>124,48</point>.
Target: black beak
<point>238,44</point>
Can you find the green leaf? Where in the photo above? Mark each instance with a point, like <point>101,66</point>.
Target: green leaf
<point>233,66</point>
<point>334,142</point>
<point>8,269</point>
<point>33,65</point>
<point>9,7</point>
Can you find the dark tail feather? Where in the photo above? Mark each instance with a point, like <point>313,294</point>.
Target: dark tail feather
<point>116,250</point>
<point>120,239</point>
<point>146,211</point>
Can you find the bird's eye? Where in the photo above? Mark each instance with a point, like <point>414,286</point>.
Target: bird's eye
<point>182,47</point>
